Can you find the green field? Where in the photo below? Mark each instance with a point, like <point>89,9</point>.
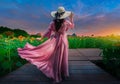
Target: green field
<point>9,59</point>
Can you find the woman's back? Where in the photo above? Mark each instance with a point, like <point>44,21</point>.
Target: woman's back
<point>62,30</point>
<point>51,57</point>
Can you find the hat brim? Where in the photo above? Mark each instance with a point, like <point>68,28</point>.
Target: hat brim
<point>65,15</point>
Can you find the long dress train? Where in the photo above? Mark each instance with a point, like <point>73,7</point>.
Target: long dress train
<point>51,57</point>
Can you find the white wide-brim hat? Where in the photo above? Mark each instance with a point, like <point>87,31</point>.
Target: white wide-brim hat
<point>61,10</point>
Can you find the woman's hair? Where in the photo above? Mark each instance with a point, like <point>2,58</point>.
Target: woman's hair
<point>58,22</point>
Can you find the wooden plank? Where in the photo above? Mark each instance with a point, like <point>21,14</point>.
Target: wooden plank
<point>77,58</point>
<point>82,71</point>
<point>80,62</point>
<point>90,51</point>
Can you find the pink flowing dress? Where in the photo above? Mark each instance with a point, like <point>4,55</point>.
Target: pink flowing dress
<point>50,57</point>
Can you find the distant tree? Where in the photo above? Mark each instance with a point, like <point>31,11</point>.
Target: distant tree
<point>112,35</point>
<point>4,29</point>
<point>8,34</point>
<point>34,35</point>
<point>92,35</point>
<point>74,34</point>
<point>39,34</point>
<point>19,32</point>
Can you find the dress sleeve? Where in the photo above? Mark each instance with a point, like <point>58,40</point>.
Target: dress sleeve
<point>49,31</point>
<point>70,25</point>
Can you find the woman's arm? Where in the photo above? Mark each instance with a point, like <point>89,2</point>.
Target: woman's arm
<point>47,33</point>
<point>71,17</point>
<point>70,21</point>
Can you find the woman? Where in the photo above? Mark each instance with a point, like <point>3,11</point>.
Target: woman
<point>51,57</point>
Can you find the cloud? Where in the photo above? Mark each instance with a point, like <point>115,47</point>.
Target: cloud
<point>98,23</point>
<point>33,16</point>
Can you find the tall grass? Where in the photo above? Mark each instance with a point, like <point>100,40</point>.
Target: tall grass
<point>92,42</point>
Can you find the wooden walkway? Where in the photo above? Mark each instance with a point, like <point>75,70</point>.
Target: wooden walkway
<point>82,71</point>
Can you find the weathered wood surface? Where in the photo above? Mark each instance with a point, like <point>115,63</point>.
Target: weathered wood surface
<point>82,71</point>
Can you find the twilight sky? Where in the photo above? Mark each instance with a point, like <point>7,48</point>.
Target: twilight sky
<point>98,17</point>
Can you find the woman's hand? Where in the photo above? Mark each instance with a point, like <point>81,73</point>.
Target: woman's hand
<point>71,15</point>
<point>40,39</point>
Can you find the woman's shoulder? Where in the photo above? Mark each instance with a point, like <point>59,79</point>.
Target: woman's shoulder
<point>67,21</point>
<point>52,22</point>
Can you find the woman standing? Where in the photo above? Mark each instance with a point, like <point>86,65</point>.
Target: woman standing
<point>51,57</point>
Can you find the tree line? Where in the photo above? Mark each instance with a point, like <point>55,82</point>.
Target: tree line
<point>9,32</point>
